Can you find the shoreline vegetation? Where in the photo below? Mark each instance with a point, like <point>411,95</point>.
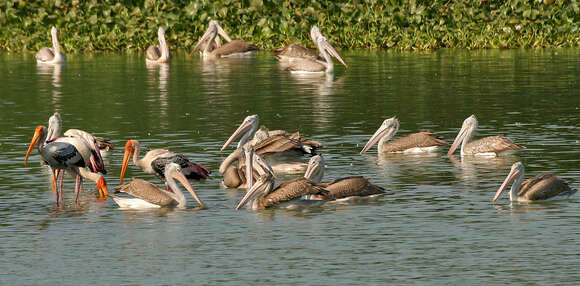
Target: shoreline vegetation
<point>130,25</point>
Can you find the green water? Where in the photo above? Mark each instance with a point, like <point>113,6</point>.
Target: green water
<point>437,225</point>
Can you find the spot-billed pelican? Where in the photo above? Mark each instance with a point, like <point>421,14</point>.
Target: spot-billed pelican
<point>51,55</point>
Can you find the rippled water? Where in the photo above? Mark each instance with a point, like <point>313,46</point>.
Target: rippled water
<point>437,225</point>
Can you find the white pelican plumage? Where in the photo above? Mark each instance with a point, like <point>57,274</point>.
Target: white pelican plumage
<point>51,55</point>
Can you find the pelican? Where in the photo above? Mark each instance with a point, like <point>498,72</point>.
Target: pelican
<point>154,162</point>
<point>51,55</point>
<point>420,142</point>
<point>148,195</point>
<point>158,54</point>
<point>235,48</point>
<point>235,168</point>
<point>308,65</point>
<point>296,51</point>
<point>263,194</point>
<point>275,145</point>
<point>540,187</point>
<point>66,153</point>
<point>347,188</point>
<point>487,146</point>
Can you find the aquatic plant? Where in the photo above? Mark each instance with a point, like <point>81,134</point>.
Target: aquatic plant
<point>109,25</point>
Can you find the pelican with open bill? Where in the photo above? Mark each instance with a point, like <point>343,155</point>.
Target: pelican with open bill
<point>487,146</point>
<point>419,142</point>
<point>540,187</point>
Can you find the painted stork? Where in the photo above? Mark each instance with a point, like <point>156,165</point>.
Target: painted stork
<point>148,195</point>
<point>419,142</point>
<point>487,146</point>
<point>154,162</point>
<point>540,187</point>
<point>51,55</point>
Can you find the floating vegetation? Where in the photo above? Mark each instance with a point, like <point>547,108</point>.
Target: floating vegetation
<point>95,25</point>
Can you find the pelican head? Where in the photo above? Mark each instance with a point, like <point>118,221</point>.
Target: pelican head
<point>173,170</point>
<point>315,33</point>
<point>210,35</point>
<point>467,129</point>
<point>54,126</point>
<point>387,130</point>
<point>161,33</point>
<point>516,174</point>
<point>262,187</point>
<point>130,147</point>
<point>315,171</point>
<point>249,126</point>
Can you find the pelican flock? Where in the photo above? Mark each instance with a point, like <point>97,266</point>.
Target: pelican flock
<point>261,154</point>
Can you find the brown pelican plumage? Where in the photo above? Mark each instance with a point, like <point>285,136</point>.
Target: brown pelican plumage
<point>51,55</point>
<point>487,146</point>
<point>155,160</point>
<point>309,65</point>
<point>73,154</point>
<point>209,49</point>
<point>297,51</point>
<point>237,167</point>
<point>347,188</point>
<point>264,195</point>
<point>158,54</point>
<point>419,142</point>
<point>148,195</point>
<point>540,187</point>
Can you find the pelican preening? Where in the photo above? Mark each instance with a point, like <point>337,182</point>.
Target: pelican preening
<point>209,45</point>
<point>307,64</point>
<point>158,54</point>
<point>487,146</point>
<point>148,195</point>
<point>419,142</point>
<point>74,153</point>
<point>154,162</point>
<point>51,55</point>
<point>540,187</point>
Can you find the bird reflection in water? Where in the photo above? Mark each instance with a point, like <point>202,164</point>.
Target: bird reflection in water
<point>472,168</point>
<point>52,73</point>
<point>160,72</point>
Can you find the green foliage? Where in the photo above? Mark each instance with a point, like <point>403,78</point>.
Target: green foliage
<point>90,25</point>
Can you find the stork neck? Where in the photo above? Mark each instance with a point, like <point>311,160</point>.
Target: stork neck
<point>138,162</point>
<point>87,174</point>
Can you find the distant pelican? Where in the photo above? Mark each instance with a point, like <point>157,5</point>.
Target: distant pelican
<point>309,65</point>
<point>487,146</point>
<point>296,51</point>
<point>51,55</point>
<point>419,142</point>
<point>158,54</point>
<point>148,195</point>
<point>235,48</point>
<point>540,187</point>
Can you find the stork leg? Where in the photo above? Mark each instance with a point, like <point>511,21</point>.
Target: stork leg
<point>78,187</point>
<point>60,184</point>
<point>53,183</point>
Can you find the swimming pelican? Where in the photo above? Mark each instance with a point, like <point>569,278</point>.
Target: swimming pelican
<point>297,51</point>
<point>540,187</point>
<point>155,160</point>
<point>51,55</point>
<point>423,141</point>
<point>308,65</point>
<point>263,194</point>
<point>158,54</point>
<point>72,154</point>
<point>237,167</point>
<point>347,188</point>
<point>235,48</point>
<point>148,195</point>
<point>487,146</point>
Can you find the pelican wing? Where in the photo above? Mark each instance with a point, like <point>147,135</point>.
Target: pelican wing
<point>489,144</point>
<point>281,141</point>
<point>306,65</point>
<point>153,53</point>
<point>45,55</point>
<point>235,46</point>
<point>351,186</point>
<point>416,140</point>
<point>291,190</point>
<point>296,51</point>
<point>542,187</point>
<point>146,191</point>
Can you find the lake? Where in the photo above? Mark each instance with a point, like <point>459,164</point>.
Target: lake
<point>437,224</point>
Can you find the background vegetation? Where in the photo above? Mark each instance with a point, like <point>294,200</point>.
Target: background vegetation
<point>109,25</point>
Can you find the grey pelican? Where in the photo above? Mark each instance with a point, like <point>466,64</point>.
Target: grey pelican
<point>487,146</point>
<point>297,51</point>
<point>158,54</point>
<point>540,187</point>
<point>309,65</point>
<point>66,153</point>
<point>419,142</point>
<point>155,160</point>
<point>265,196</point>
<point>235,48</point>
<point>347,188</point>
<point>51,55</point>
<point>148,195</point>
